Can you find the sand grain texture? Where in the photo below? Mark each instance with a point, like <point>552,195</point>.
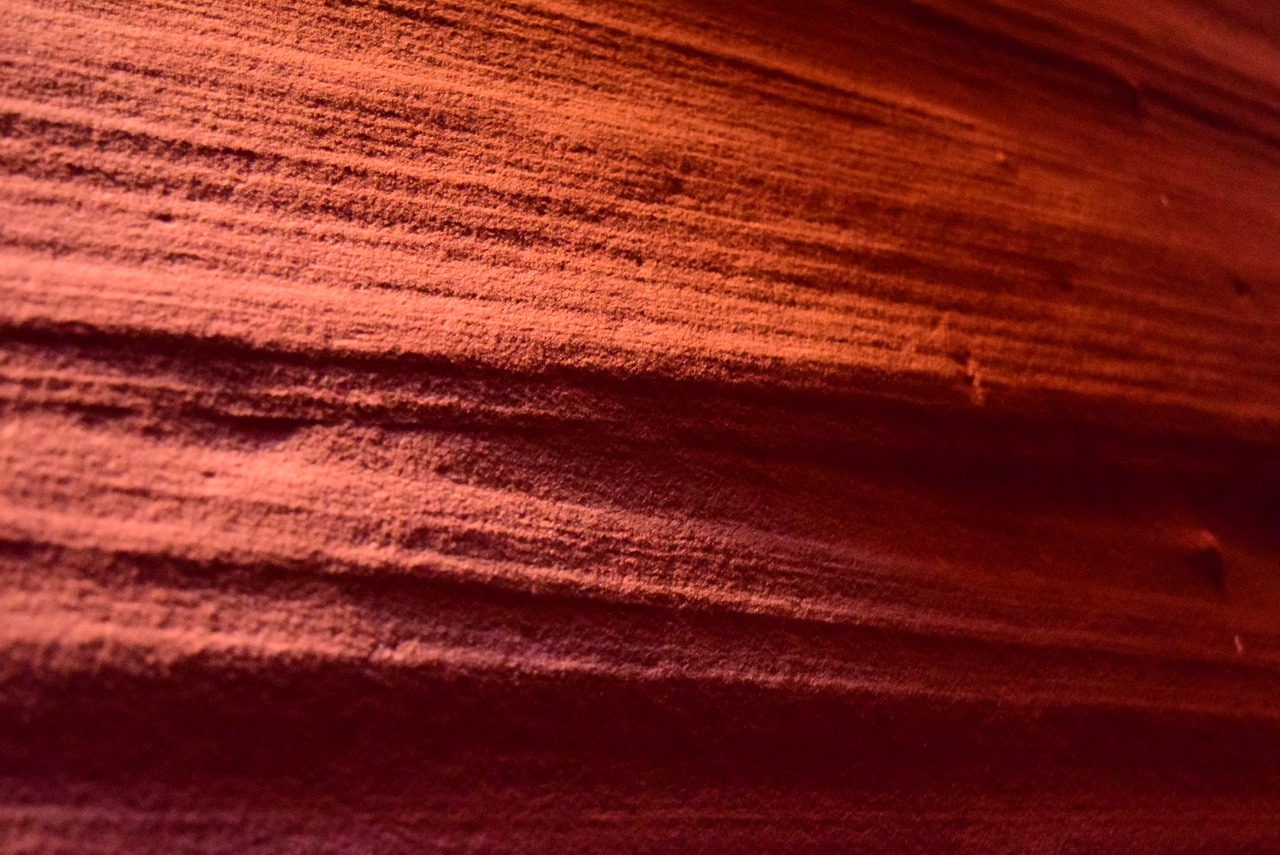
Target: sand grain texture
<point>678,425</point>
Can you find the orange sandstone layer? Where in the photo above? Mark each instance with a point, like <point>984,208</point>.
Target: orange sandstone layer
<point>657,425</point>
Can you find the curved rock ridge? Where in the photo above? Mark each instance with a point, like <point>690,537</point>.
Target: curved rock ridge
<point>665,425</point>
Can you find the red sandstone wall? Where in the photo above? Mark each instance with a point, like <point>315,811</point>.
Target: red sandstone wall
<point>681,425</point>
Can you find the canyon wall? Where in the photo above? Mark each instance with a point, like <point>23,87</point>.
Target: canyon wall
<point>677,425</point>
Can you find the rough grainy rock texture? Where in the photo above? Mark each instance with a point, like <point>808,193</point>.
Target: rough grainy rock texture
<point>692,425</point>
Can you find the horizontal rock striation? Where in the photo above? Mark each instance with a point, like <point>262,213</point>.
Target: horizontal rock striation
<point>678,425</point>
